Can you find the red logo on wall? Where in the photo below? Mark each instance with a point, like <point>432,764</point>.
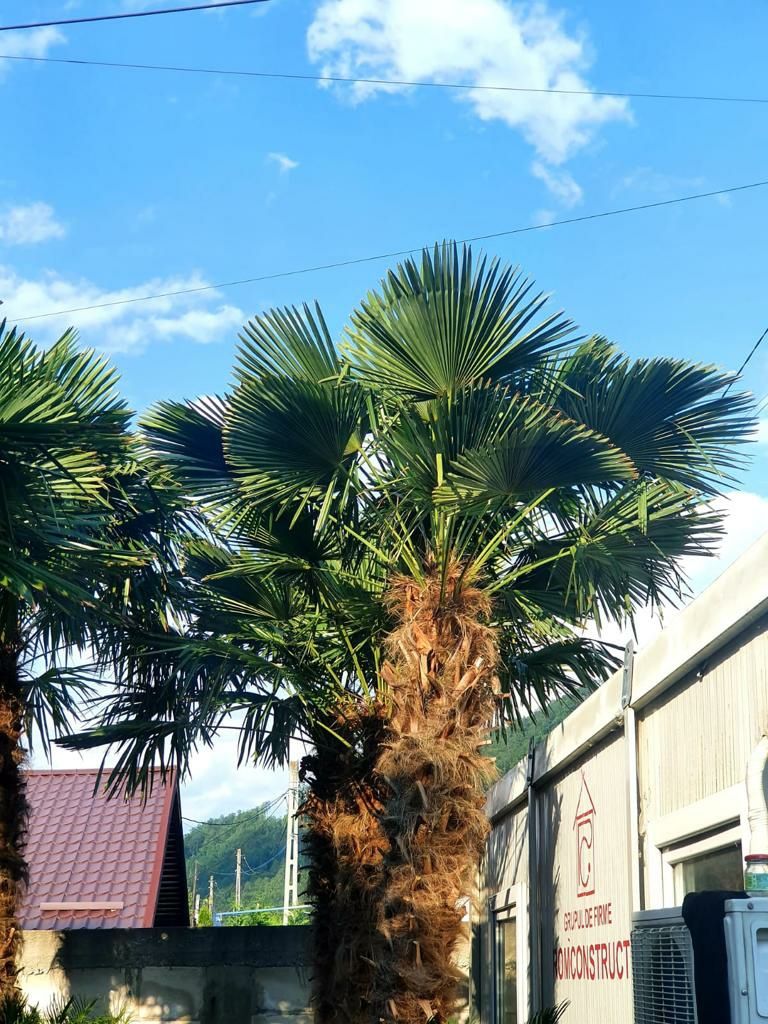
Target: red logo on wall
<point>584,824</point>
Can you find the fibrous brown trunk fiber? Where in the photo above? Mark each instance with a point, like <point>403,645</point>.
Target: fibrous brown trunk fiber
<point>13,817</point>
<point>394,823</point>
<point>440,683</point>
<point>344,845</point>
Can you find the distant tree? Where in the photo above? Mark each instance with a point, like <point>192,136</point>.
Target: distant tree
<point>511,747</point>
<point>261,837</point>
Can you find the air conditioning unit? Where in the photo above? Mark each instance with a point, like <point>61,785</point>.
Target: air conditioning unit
<point>662,968</point>
<point>746,938</point>
<point>663,980</point>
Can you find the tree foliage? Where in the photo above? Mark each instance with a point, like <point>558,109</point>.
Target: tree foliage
<point>212,848</point>
<point>458,473</point>
<point>86,544</point>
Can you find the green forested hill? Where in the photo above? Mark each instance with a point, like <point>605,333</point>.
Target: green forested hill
<point>213,845</point>
<point>508,751</point>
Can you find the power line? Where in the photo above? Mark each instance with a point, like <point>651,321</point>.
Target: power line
<point>754,349</point>
<point>260,812</point>
<point>388,255</point>
<point>743,366</point>
<point>342,79</point>
<point>130,14</point>
<point>264,864</point>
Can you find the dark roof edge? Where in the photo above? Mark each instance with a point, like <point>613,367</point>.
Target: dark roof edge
<point>171,784</point>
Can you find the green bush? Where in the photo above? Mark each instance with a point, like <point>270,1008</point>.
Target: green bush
<point>17,1010</point>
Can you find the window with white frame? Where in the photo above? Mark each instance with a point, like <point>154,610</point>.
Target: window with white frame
<point>711,861</point>
<point>697,848</point>
<point>510,956</point>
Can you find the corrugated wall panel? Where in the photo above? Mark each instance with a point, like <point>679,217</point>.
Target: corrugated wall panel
<point>585,888</point>
<point>696,740</point>
<point>504,866</point>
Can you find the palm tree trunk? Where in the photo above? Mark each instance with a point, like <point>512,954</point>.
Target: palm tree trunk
<point>440,682</point>
<point>344,844</point>
<point>13,816</point>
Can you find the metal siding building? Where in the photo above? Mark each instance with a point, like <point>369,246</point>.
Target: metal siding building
<point>635,799</point>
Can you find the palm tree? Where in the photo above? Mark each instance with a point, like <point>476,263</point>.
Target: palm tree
<point>412,530</point>
<point>71,487</point>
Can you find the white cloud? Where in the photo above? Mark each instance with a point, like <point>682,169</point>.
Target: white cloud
<point>200,317</point>
<point>542,217</point>
<point>218,786</point>
<point>746,519</point>
<point>28,224</point>
<point>560,183</point>
<point>656,183</point>
<point>646,179</point>
<point>147,215</point>
<point>283,162</point>
<point>34,42</point>
<point>485,42</point>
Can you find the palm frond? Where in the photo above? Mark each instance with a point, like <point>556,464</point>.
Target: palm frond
<point>289,343</point>
<point>675,419</point>
<point>291,440</point>
<point>188,438</point>
<point>550,1015</point>
<point>442,325</point>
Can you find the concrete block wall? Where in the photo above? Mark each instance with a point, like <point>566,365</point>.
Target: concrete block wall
<point>176,976</point>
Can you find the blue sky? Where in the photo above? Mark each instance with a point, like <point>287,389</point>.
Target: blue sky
<point>117,183</point>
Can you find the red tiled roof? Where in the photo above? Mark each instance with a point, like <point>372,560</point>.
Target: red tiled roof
<point>85,849</point>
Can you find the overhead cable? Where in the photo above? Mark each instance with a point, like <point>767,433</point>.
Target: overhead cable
<point>356,261</point>
<point>404,83</point>
<point>259,812</point>
<point>746,361</point>
<point>130,14</point>
<point>263,864</point>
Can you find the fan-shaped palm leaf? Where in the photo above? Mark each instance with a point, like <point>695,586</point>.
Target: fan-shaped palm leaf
<point>442,325</point>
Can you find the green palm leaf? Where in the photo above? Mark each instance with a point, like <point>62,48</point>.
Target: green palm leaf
<point>537,452</point>
<point>288,343</point>
<point>672,417</point>
<point>440,326</point>
<point>188,437</point>
<point>289,440</point>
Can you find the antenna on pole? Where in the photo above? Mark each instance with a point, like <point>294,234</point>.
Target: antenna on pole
<point>238,877</point>
<point>291,892</point>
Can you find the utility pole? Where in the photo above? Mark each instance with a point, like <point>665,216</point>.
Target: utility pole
<point>210,896</point>
<point>194,883</point>
<point>238,877</point>
<point>291,893</point>
<point>196,911</point>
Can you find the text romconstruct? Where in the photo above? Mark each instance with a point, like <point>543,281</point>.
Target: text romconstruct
<point>595,961</point>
